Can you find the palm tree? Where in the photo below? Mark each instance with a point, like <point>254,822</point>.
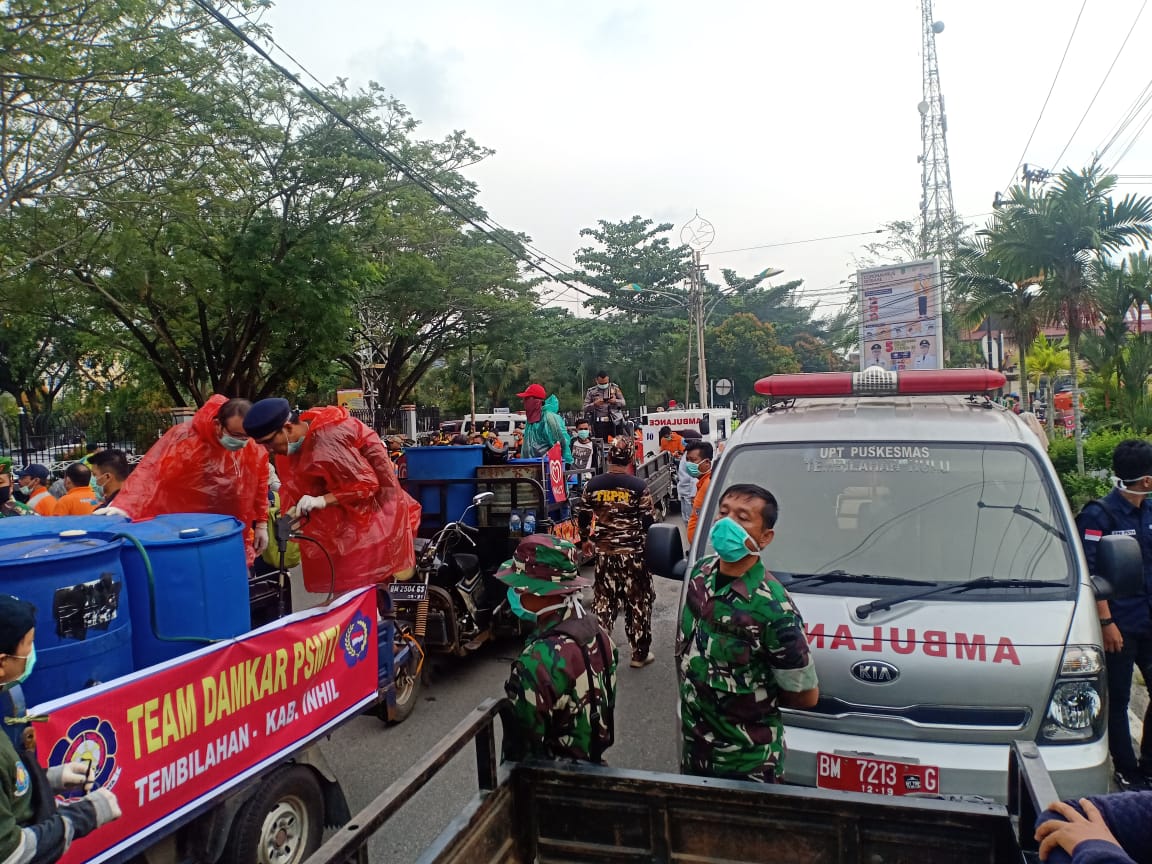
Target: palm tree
<point>1048,359</point>
<point>985,288</point>
<point>1074,224</point>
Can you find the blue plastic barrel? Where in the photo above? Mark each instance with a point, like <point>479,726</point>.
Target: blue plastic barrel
<point>443,463</point>
<point>83,625</point>
<point>51,526</point>
<point>198,590</point>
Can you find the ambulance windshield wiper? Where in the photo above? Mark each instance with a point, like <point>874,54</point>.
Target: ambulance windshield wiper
<point>845,576</point>
<point>867,609</point>
<point>1027,513</point>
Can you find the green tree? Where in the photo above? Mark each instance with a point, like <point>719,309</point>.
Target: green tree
<point>1058,234</point>
<point>1049,359</point>
<point>744,349</point>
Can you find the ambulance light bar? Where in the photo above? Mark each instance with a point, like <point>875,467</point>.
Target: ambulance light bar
<point>875,381</point>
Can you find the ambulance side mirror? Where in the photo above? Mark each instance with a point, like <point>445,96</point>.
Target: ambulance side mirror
<point>664,552</point>
<point>1119,567</point>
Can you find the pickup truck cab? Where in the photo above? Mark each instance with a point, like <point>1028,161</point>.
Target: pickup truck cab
<point>925,539</point>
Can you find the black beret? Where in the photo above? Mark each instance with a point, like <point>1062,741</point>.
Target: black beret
<point>17,617</point>
<point>266,417</point>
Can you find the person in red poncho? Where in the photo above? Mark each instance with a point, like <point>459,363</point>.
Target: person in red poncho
<point>206,466</point>
<point>336,472</point>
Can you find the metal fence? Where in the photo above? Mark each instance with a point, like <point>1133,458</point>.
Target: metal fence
<point>385,422</point>
<point>60,437</point>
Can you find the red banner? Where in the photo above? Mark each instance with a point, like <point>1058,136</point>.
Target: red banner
<point>171,738</point>
<point>556,473</point>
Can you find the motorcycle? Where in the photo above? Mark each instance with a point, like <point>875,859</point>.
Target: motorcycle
<point>452,605</point>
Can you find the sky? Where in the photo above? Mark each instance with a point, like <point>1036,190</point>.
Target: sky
<point>778,121</point>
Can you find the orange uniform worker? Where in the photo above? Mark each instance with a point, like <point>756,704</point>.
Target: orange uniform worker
<point>33,480</point>
<point>206,466</point>
<point>79,499</point>
<point>336,472</point>
<point>698,464</point>
<point>671,442</point>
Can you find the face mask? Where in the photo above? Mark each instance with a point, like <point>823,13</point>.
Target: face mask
<point>231,443</point>
<point>5,494</point>
<point>584,433</point>
<point>527,615</point>
<point>730,540</point>
<point>1119,484</point>
<point>692,468</point>
<point>29,662</point>
<point>98,490</point>
<point>294,447</point>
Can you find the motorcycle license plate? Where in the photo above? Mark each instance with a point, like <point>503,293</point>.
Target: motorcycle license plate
<point>408,592</point>
<point>875,776</point>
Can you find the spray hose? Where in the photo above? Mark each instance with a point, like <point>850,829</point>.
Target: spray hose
<point>200,640</point>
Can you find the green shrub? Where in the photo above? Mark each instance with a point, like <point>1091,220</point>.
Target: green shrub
<point>1098,449</point>
<point>1079,490</point>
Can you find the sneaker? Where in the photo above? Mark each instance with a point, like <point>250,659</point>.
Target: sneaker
<point>1129,781</point>
<point>639,661</point>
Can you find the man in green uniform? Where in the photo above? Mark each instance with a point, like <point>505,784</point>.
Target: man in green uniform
<point>9,506</point>
<point>741,651</point>
<point>622,507</point>
<point>33,829</point>
<point>563,684</point>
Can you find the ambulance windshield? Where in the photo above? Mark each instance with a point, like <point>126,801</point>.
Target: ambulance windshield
<point>907,511</point>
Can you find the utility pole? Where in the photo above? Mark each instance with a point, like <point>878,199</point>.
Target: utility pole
<point>1033,175</point>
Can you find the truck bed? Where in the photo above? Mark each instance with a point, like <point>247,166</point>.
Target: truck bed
<point>552,812</point>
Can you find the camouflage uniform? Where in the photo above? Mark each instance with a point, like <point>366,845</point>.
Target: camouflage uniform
<point>563,685</point>
<point>738,645</point>
<point>549,689</point>
<point>622,507</point>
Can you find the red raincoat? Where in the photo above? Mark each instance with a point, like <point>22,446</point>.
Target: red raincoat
<point>189,471</point>
<point>370,531</point>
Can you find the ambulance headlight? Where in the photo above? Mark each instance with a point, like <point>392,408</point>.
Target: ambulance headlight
<point>1075,712</point>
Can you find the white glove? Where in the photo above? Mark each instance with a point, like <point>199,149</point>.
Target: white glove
<point>70,776</point>
<point>110,510</point>
<point>260,540</point>
<point>106,805</point>
<point>308,503</point>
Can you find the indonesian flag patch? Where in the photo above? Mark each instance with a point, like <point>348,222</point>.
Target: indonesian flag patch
<point>1093,535</point>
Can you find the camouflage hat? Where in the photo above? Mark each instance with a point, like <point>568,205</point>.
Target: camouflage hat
<point>543,564</point>
<point>622,450</point>
<point>5,464</point>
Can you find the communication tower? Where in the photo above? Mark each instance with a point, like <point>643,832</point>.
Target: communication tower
<point>937,216</point>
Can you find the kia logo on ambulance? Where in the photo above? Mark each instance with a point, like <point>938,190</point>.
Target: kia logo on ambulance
<point>874,671</point>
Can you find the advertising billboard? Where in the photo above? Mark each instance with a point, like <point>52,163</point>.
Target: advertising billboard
<point>900,307</point>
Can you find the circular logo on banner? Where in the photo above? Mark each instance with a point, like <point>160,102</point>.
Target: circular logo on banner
<point>91,740</point>
<point>354,642</point>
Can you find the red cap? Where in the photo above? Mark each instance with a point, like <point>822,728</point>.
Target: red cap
<point>671,403</point>
<point>534,390</point>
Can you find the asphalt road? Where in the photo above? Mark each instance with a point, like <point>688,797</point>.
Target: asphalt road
<point>367,755</point>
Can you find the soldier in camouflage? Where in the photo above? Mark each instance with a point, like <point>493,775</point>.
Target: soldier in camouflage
<point>740,650</point>
<point>563,684</point>
<point>622,508</point>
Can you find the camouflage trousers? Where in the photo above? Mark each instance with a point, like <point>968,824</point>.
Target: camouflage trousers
<point>623,578</point>
<point>728,736</point>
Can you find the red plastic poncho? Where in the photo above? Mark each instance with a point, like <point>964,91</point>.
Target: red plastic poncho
<point>189,471</point>
<point>370,531</point>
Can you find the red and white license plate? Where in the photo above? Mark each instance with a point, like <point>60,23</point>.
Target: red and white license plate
<point>875,776</point>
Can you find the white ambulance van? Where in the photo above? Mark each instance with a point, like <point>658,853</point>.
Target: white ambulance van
<point>925,539</point>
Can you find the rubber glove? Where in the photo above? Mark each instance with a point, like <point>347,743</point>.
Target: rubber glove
<point>110,510</point>
<point>260,540</point>
<point>308,503</point>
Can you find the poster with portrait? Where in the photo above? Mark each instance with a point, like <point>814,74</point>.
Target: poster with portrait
<point>900,309</point>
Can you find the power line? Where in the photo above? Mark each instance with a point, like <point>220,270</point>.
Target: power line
<point>1043,107</point>
<point>795,242</point>
<point>1112,65</point>
<point>479,222</point>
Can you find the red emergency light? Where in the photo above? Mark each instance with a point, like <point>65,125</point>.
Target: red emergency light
<point>880,382</point>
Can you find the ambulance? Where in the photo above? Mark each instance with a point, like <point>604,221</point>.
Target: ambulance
<point>713,424</point>
<point>924,537</point>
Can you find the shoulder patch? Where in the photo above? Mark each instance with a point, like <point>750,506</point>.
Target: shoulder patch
<point>22,781</point>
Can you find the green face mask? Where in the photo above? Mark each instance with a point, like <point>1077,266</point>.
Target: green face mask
<point>692,468</point>
<point>584,434</point>
<point>29,663</point>
<point>730,540</point>
<point>294,447</point>
<point>230,443</point>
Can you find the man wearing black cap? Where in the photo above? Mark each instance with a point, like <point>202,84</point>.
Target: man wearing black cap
<point>336,472</point>
<point>33,480</point>
<point>33,830</point>
<point>622,507</point>
<point>603,404</point>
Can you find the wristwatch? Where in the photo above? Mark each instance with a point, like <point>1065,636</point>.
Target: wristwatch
<point>1104,622</point>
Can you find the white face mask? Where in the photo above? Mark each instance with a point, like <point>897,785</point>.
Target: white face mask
<point>1120,484</point>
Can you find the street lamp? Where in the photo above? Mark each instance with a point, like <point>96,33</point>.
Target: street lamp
<point>699,313</point>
